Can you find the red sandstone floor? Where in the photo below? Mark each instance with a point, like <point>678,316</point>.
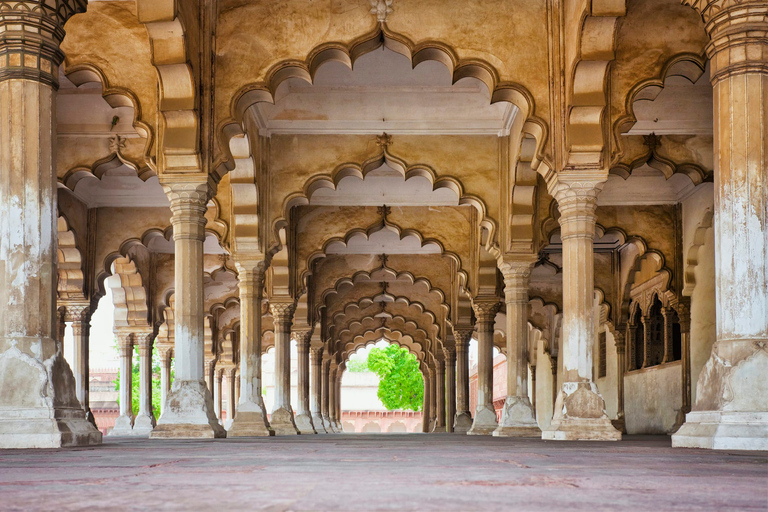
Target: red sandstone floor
<point>383,472</point>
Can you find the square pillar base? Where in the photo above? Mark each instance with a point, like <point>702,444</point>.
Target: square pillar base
<point>718,430</point>
<point>188,414</point>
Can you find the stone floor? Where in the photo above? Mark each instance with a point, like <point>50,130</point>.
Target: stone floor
<point>383,472</point>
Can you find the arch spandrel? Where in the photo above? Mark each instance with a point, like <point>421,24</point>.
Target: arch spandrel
<point>394,314</point>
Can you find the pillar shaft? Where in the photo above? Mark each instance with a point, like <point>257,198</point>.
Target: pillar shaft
<point>217,393</point>
<point>80,316</point>
<point>339,374</point>
<point>440,395</point>
<point>463,420</point>
<point>303,414</point>
<point>518,418</point>
<point>316,394</point>
<point>731,409</point>
<point>124,422</point>
<point>189,412</point>
<point>579,409</point>
<point>332,396</point>
<point>282,419</point>
<point>621,368</point>
<point>326,400</point>
<point>145,419</point>
<point>485,421</point>
<point>427,407</point>
<point>231,407</point>
<point>450,387</point>
<point>165,377</point>
<point>38,403</point>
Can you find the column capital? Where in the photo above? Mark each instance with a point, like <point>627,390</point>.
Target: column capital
<point>517,273</point>
<point>282,313</point>
<point>450,355</point>
<point>485,309</point>
<point>316,356</point>
<point>576,192</point>
<point>620,340</point>
<point>302,338</point>
<point>251,275</point>
<point>683,309</point>
<point>30,34</point>
<point>462,337</point>
<point>77,312</point>
<point>189,199</point>
<point>553,364</point>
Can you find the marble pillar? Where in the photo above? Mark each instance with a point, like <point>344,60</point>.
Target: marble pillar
<point>189,412</point>
<point>433,399</point>
<point>38,400</point>
<point>145,418</point>
<point>463,419</point>
<point>485,421</point>
<point>427,403</point>
<point>231,400</point>
<point>731,409</point>
<point>303,414</point>
<point>684,317</point>
<point>166,356</point>
<point>282,420</point>
<point>450,386</point>
<point>124,422</point>
<point>621,369</point>
<point>440,395</point>
<point>80,316</point>
<point>332,396</point>
<point>339,374</point>
<point>579,408</point>
<point>251,419</point>
<point>217,394</point>
<point>519,417</point>
<point>316,389</point>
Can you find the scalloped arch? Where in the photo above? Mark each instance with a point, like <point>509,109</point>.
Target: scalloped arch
<point>71,279</point>
<point>692,258</point>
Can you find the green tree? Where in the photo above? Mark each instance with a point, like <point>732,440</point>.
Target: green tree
<point>135,381</point>
<point>356,365</point>
<point>401,385</point>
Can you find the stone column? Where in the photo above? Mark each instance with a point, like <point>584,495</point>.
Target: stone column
<point>165,377</point>
<point>450,386</point>
<point>80,316</point>
<point>145,419</point>
<point>189,412</point>
<point>731,410</point>
<point>553,364</point>
<point>326,399</point>
<point>684,317</point>
<point>646,321</point>
<point>210,375</point>
<point>427,403</point>
<point>251,419</point>
<point>39,407</point>
<point>124,422</point>
<point>339,374</point>
<point>316,391</point>
<point>61,328</point>
<point>579,409</point>
<point>621,368</point>
<point>303,414</point>
<point>231,400</point>
<point>282,419</point>
<point>533,388</point>
<point>667,313</point>
<point>485,421</point>
<point>332,398</point>
<point>519,417</point>
<point>217,399</point>
<point>440,395</point>
<point>463,420</point>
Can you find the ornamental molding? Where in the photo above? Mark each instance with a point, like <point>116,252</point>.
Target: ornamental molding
<point>381,9</point>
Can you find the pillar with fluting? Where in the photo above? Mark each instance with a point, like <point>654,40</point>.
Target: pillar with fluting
<point>251,419</point>
<point>124,422</point>
<point>518,417</point>
<point>303,414</point>
<point>485,421</point>
<point>440,395</point>
<point>282,419</point>
<point>579,412</point>
<point>316,389</point>
<point>463,419</point>
<point>450,387</point>
<point>80,316</point>
<point>145,418</point>
<point>38,400</point>
<point>189,412</point>
<point>731,409</point>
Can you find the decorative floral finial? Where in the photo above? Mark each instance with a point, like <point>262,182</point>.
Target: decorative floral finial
<point>381,8</point>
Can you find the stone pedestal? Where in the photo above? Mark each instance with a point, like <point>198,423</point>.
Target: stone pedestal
<point>463,420</point>
<point>145,419</point>
<point>282,420</point>
<point>251,418</point>
<point>315,403</point>
<point>450,386</point>
<point>485,421</point>
<point>518,418</point>
<point>303,415</point>
<point>38,402</point>
<point>731,409</point>
<point>579,408</point>
<point>124,422</point>
<point>189,412</point>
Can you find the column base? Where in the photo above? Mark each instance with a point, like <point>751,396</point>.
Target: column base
<point>317,421</point>
<point>283,423</point>
<point>718,430</point>
<point>518,419</point>
<point>580,415</point>
<point>485,422</point>
<point>327,425</point>
<point>250,421</point>
<point>337,427</point>
<point>620,424</point>
<point>123,427</point>
<point>462,423</point>
<point>41,428</point>
<point>304,424</point>
<point>188,414</point>
<point>143,425</point>
<point>89,417</point>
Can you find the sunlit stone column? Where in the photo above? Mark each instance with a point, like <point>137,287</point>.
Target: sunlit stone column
<point>684,317</point>
<point>166,355</point>
<point>124,422</point>
<point>440,394</point>
<point>427,403</point>
<point>251,419</point>
<point>217,395</point>
<point>450,386</point>
<point>189,412</point>
<point>579,409</point>
<point>80,316</point>
<point>339,374</point>
<point>325,398</point>
<point>282,420</point>
<point>621,369</point>
<point>332,396</point>
<point>731,409</point>
<point>463,419</point>
<point>432,399</point>
<point>303,414</point>
<point>145,419</point>
<point>485,421</point>
<point>518,418</point>
<point>316,389</point>
<point>231,400</point>
<point>38,402</point>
